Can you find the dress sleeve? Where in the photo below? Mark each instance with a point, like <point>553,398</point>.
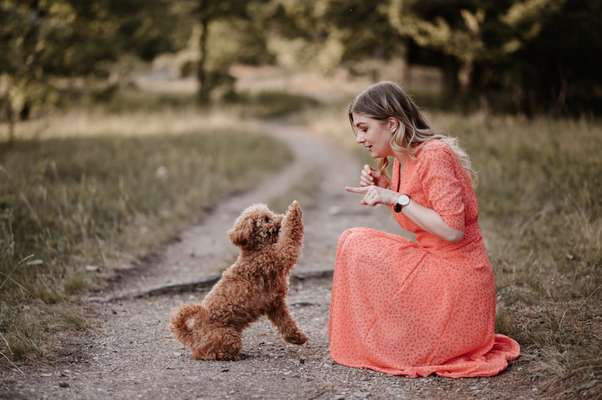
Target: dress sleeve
<point>443,189</point>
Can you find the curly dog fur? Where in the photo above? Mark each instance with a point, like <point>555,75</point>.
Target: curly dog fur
<point>255,285</point>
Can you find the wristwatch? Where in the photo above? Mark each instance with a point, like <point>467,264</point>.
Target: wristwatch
<point>402,201</point>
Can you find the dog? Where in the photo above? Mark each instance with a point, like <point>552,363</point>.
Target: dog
<point>255,285</point>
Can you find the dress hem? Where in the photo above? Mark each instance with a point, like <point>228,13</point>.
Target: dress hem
<point>422,372</point>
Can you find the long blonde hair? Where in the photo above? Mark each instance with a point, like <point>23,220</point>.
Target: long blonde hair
<point>386,99</point>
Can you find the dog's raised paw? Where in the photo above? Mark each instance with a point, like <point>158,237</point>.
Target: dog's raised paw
<point>295,208</point>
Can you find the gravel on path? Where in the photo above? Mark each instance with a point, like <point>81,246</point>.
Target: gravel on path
<point>133,355</point>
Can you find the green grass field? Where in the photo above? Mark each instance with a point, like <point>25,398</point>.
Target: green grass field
<point>540,186</point>
<point>70,208</point>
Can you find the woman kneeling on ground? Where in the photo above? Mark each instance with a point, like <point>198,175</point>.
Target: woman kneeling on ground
<point>415,307</point>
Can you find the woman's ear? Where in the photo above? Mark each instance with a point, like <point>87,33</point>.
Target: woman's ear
<point>392,124</point>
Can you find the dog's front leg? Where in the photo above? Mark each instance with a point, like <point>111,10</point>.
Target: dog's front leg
<point>282,319</point>
<point>291,236</point>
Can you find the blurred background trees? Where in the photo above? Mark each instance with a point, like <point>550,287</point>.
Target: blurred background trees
<point>51,45</point>
<point>527,56</point>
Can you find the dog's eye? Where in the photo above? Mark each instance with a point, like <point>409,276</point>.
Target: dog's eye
<point>266,219</point>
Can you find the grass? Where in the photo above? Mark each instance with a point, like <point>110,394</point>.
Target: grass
<point>539,190</point>
<point>72,207</point>
<point>243,104</point>
<point>272,104</point>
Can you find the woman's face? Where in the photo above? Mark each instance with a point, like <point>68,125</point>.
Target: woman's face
<point>374,135</point>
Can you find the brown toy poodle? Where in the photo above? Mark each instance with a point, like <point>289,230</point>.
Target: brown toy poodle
<point>255,285</point>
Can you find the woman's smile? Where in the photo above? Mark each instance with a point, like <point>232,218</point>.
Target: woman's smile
<point>373,135</point>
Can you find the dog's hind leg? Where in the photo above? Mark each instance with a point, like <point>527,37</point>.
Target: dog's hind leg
<point>222,343</point>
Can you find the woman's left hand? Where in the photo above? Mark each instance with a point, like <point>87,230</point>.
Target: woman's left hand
<point>374,195</point>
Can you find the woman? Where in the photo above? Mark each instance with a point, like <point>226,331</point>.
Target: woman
<point>414,307</point>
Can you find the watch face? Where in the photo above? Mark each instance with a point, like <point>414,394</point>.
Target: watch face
<point>403,200</point>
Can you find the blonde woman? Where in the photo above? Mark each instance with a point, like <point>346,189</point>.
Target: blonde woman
<point>418,307</point>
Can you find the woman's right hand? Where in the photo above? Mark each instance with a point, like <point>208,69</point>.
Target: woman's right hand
<point>370,176</point>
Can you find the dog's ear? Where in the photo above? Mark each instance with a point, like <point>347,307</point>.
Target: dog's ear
<point>242,232</point>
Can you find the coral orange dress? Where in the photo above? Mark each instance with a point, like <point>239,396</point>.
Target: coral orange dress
<point>423,307</point>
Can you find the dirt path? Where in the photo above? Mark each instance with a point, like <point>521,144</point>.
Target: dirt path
<point>131,354</point>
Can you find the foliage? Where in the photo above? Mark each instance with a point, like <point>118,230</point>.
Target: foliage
<point>44,40</point>
<point>523,55</point>
<point>527,49</point>
<point>327,34</point>
<point>235,17</point>
<point>229,42</point>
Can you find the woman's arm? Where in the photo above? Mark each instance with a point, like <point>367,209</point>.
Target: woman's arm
<point>431,222</point>
<point>424,217</point>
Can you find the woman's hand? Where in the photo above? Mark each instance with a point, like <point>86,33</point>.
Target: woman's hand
<point>424,217</point>
<point>370,176</point>
<point>374,195</point>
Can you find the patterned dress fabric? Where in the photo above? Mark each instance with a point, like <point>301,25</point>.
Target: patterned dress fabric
<point>417,308</point>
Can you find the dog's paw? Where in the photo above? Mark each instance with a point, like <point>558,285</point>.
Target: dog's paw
<point>299,338</point>
<point>295,208</point>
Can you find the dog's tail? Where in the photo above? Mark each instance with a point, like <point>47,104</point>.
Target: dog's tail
<point>178,322</point>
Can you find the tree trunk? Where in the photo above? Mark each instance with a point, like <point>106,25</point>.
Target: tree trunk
<point>450,81</point>
<point>203,90</point>
<point>10,117</point>
<point>9,113</point>
<point>25,111</point>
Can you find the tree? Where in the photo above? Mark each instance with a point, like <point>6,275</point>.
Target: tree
<point>364,31</point>
<point>239,16</point>
<point>526,48</point>
<point>555,70</point>
<point>42,41</point>
<point>334,33</point>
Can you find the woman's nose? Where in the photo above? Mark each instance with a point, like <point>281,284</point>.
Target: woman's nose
<point>360,138</point>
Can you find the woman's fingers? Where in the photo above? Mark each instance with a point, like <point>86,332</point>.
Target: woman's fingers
<point>366,181</point>
<point>370,199</point>
<point>367,170</point>
<point>367,175</point>
<point>366,178</point>
<point>357,189</point>
<point>371,195</point>
<point>371,176</point>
